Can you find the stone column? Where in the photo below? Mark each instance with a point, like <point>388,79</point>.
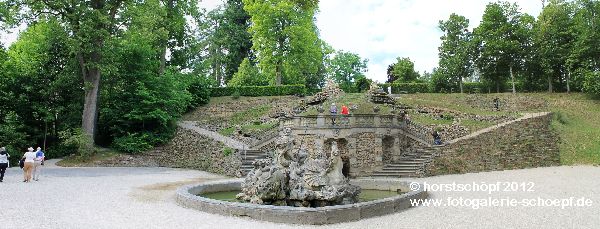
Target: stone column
<point>378,150</point>
<point>396,150</point>
<point>354,169</point>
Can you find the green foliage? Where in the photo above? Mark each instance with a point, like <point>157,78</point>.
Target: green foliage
<point>134,143</point>
<point>398,88</point>
<point>247,75</point>
<point>39,85</point>
<point>12,135</point>
<point>346,68</point>
<point>592,82</point>
<point>255,91</point>
<point>455,54</point>
<point>362,84</point>
<point>227,151</point>
<point>198,86</point>
<point>501,37</point>
<point>139,104</point>
<point>77,139</point>
<point>285,39</point>
<point>235,95</point>
<point>403,71</point>
<point>250,114</point>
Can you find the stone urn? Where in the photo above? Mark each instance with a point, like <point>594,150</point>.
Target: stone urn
<point>376,109</point>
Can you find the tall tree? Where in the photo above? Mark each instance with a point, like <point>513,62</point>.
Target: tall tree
<point>346,67</point>
<point>90,24</point>
<point>555,37</point>
<point>455,52</point>
<point>500,39</point>
<point>402,71</point>
<point>237,39</point>
<point>285,39</point>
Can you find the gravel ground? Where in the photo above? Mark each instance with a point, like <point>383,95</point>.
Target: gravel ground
<point>144,198</point>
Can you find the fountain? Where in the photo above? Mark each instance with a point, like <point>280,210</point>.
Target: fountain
<point>299,178</point>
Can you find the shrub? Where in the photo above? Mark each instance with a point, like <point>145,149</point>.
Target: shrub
<point>133,143</point>
<point>255,91</point>
<point>227,151</point>
<point>77,139</point>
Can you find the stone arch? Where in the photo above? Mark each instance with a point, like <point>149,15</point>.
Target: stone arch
<point>343,149</point>
<point>388,148</point>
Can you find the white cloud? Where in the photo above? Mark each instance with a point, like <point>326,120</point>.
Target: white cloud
<point>381,30</point>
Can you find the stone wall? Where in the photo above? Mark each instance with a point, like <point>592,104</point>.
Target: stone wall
<point>524,144</point>
<point>366,153</point>
<point>194,151</point>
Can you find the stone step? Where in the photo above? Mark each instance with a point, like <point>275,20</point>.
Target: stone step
<point>408,170</point>
<point>379,174</point>
<point>401,166</point>
<point>407,163</point>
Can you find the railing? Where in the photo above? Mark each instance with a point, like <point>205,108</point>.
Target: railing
<point>327,121</point>
<point>345,121</point>
<point>419,131</point>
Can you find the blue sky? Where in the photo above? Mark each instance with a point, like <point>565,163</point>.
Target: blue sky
<point>381,30</point>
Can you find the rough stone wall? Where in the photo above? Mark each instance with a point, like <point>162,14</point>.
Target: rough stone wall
<point>191,150</point>
<point>368,155</point>
<point>524,144</point>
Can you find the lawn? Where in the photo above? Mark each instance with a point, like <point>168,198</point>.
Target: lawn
<point>577,118</point>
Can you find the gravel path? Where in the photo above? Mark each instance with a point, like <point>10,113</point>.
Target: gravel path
<point>144,198</point>
<point>230,142</point>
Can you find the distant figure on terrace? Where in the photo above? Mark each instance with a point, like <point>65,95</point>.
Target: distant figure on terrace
<point>345,110</point>
<point>333,111</point>
<point>497,104</point>
<point>437,139</point>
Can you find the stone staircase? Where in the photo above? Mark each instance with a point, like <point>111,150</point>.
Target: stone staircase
<point>248,157</point>
<point>409,165</point>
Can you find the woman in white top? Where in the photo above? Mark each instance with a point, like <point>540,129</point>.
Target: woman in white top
<point>3,162</point>
<point>29,159</point>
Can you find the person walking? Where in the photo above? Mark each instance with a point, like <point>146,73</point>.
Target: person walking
<point>3,162</point>
<point>37,164</point>
<point>29,157</point>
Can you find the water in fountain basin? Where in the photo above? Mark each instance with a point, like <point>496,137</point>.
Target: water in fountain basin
<point>365,195</point>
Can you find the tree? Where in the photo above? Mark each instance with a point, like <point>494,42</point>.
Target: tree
<point>585,56</point>
<point>90,25</point>
<point>555,38</point>
<point>237,39</point>
<point>346,67</point>
<point>455,52</point>
<point>500,38</point>
<point>402,71</point>
<point>248,75</point>
<point>285,39</point>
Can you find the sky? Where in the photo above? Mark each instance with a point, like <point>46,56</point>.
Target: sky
<point>382,30</point>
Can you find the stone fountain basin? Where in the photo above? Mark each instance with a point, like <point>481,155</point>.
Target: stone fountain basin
<point>187,196</point>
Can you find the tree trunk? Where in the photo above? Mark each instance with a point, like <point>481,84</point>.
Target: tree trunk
<point>568,79</point>
<point>512,76</point>
<point>550,84</point>
<point>460,84</point>
<point>90,106</point>
<point>278,73</point>
<point>164,46</point>
<point>497,87</point>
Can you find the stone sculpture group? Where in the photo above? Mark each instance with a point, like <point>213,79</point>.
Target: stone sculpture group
<point>297,177</point>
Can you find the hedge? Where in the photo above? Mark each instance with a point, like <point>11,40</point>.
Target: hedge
<point>255,91</point>
<point>398,88</point>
